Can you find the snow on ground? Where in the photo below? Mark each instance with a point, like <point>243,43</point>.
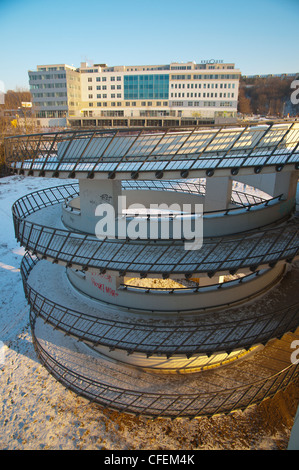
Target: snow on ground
<point>36,412</point>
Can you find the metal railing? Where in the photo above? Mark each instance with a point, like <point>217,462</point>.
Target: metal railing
<point>229,253</point>
<point>173,405</point>
<point>193,336</point>
<point>184,186</point>
<point>239,198</point>
<point>193,287</point>
<point>40,199</point>
<point>144,150</point>
<point>207,214</point>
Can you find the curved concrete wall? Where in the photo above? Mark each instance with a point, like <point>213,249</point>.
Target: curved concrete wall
<point>107,288</point>
<point>213,224</point>
<point>178,364</point>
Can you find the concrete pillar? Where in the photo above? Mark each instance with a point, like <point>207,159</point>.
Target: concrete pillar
<point>92,194</point>
<point>218,193</point>
<point>286,183</point>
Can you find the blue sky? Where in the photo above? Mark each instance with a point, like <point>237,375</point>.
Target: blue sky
<point>259,36</point>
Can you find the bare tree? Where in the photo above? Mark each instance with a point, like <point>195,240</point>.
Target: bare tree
<point>16,117</point>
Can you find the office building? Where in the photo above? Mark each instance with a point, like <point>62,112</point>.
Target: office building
<point>150,95</point>
<point>55,93</point>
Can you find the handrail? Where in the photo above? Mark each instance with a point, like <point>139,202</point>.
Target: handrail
<point>137,151</point>
<point>266,122</point>
<point>267,245</point>
<point>155,404</point>
<point>196,288</point>
<point>183,186</point>
<point>138,335</point>
<point>207,214</point>
<point>188,186</point>
<point>263,202</point>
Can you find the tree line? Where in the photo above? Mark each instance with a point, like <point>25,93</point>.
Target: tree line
<point>267,96</point>
<point>15,118</point>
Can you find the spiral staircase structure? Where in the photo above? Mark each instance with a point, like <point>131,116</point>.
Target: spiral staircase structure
<point>144,325</point>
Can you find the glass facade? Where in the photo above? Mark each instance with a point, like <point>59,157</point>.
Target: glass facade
<point>138,87</point>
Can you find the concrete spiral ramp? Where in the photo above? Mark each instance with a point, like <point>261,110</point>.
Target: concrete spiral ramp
<point>217,331</point>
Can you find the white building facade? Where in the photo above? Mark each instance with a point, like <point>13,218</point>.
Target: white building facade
<point>152,95</point>
<point>56,93</point>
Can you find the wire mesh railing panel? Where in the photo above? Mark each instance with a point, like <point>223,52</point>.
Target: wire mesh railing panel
<point>225,253</point>
<point>137,400</point>
<point>161,150</point>
<point>216,254</point>
<point>193,336</point>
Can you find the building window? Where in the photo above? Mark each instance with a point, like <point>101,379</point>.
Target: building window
<point>89,79</point>
<point>90,96</point>
<point>226,103</point>
<point>146,87</point>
